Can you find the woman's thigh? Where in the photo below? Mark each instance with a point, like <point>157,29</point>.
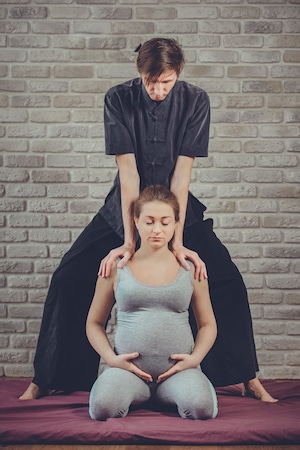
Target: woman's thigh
<point>192,393</point>
<point>114,392</point>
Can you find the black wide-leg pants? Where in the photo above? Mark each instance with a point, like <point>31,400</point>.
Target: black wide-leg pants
<point>232,358</point>
<point>65,360</point>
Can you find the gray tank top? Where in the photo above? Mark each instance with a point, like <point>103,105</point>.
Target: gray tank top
<point>153,320</point>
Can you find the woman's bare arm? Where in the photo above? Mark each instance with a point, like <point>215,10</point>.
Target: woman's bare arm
<point>207,331</point>
<point>101,306</point>
<point>205,318</point>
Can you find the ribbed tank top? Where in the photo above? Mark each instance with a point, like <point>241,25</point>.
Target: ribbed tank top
<point>153,320</point>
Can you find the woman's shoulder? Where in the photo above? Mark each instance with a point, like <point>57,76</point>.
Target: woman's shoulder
<point>191,264</point>
<point>189,273</point>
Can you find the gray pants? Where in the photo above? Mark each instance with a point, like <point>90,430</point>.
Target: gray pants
<point>117,389</point>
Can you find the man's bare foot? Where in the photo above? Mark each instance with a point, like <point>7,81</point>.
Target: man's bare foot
<point>253,388</point>
<point>33,392</point>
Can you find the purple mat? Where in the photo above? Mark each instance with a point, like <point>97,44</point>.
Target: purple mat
<point>64,419</point>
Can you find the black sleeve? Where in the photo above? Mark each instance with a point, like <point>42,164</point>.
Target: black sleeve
<point>196,137</point>
<point>117,136</point>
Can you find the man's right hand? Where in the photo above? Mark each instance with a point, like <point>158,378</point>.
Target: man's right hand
<point>107,263</point>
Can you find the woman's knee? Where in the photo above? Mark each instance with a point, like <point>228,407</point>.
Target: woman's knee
<point>113,393</point>
<point>198,408</point>
<point>103,409</point>
<point>196,397</point>
<point>103,404</point>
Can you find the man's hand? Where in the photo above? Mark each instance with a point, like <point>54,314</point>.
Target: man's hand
<point>184,361</point>
<point>124,362</point>
<point>182,254</point>
<point>108,261</point>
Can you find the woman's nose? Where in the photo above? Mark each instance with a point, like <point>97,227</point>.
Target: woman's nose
<point>156,227</point>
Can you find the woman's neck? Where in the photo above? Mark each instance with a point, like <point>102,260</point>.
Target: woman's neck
<point>159,254</point>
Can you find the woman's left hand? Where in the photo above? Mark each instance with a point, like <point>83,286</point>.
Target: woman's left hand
<point>184,361</point>
<point>182,254</point>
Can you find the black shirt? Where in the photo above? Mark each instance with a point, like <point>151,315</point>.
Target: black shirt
<point>157,133</point>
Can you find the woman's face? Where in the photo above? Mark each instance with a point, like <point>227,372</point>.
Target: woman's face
<point>159,88</point>
<point>156,224</point>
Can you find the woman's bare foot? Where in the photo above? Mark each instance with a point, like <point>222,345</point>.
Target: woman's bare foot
<point>253,388</point>
<point>33,392</point>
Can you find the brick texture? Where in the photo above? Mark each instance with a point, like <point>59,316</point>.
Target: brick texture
<point>57,60</point>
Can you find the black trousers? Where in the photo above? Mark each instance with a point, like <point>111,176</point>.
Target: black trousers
<point>65,360</point>
<point>232,359</point>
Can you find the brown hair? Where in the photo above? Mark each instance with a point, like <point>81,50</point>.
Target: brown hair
<point>159,55</point>
<point>155,193</point>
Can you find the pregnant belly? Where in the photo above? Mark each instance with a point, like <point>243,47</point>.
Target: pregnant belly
<point>154,348</point>
<point>154,365</point>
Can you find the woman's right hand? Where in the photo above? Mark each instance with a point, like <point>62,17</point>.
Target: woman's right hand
<point>107,263</point>
<point>125,362</point>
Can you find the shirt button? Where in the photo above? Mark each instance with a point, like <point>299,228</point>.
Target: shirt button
<point>153,117</point>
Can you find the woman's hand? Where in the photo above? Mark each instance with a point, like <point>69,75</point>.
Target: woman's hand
<point>107,263</point>
<point>182,254</point>
<point>184,361</point>
<point>124,362</point>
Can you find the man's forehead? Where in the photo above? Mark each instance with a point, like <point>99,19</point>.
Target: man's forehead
<point>164,76</point>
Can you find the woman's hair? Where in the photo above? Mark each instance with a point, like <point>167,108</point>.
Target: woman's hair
<point>159,55</point>
<point>155,193</point>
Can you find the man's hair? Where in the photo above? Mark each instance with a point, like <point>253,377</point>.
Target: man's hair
<point>155,193</point>
<point>159,55</point>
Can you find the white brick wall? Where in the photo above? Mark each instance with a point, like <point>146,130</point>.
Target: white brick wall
<point>57,60</point>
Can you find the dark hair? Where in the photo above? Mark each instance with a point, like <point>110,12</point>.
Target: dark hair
<point>159,55</point>
<point>155,193</point>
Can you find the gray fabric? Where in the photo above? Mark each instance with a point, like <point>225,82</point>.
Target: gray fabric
<point>192,393</point>
<point>117,389</point>
<point>114,392</point>
<point>153,321</point>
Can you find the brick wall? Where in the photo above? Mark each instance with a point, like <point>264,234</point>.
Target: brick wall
<point>57,60</point>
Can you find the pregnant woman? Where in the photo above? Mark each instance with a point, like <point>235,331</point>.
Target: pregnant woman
<point>154,355</point>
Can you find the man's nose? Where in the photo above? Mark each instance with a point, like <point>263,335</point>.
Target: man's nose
<point>157,88</point>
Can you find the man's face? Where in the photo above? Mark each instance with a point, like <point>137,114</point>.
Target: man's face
<point>159,88</point>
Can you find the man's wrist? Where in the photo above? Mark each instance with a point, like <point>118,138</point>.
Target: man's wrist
<point>177,243</point>
<point>129,244</point>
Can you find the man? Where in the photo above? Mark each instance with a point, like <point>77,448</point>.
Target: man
<point>155,126</point>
